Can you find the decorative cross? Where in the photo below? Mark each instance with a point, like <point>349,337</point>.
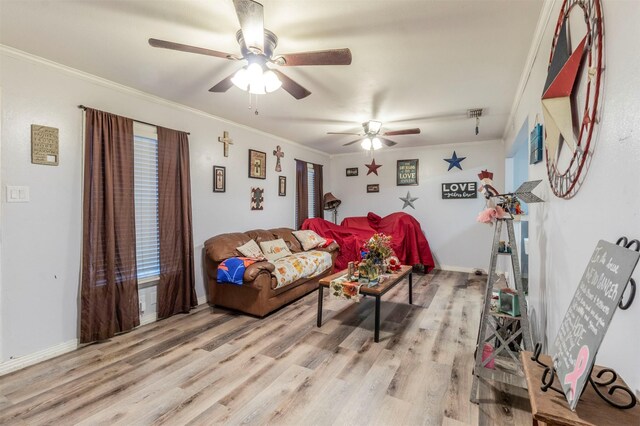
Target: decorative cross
<point>226,141</point>
<point>279,154</point>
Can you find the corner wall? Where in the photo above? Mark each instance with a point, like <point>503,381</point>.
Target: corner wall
<point>563,233</point>
<point>41,240</point>
<point>457,241</point>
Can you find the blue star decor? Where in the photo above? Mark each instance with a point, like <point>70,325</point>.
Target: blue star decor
<point>408,200</point>
<point>454,161</point>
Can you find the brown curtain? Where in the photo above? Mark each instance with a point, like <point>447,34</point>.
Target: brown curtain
<point>302,212</point>
<point>176,289</point>
<point>109,288</point>
<point>317,183</point>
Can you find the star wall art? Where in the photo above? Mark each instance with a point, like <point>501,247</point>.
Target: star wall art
<point>454,161</point>
<point>373,167</point>
<point>408,200</point>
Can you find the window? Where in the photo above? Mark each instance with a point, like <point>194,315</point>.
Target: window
<point>311,194</point>
<point>145,144</point>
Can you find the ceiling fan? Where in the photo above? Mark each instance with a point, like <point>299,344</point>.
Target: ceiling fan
<point>372,137</point>
<point>257,46</point>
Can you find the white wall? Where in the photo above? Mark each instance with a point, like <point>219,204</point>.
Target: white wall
<point>42,239</point>
<point>456,239</point>
<point>563,233</point>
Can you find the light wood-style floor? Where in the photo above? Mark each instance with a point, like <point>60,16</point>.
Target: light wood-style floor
<point>218,367</point>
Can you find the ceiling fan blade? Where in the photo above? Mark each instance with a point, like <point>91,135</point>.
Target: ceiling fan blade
<point>223,85</point>
<point>387,142</point>
<point>402,132</point>
<point>320,57</point>
<point>352,142</point>
<point>191,49</point>
<point>294,89</point>
<point>344,133</point>
<point>251,17</point>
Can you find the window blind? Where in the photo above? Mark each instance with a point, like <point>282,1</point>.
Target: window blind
<point>146,206</point>
<point>311,191</point>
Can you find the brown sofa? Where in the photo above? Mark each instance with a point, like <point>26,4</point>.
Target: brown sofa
<point>258,295</point>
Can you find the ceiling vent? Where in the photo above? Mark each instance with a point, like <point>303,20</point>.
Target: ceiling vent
<point>474,113</point>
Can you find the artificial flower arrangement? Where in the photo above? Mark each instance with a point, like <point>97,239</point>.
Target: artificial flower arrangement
<point>493,211</point>
<point>377,257</point>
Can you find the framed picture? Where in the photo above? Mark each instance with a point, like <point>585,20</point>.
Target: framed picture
<point>257,198</point>
<point>407,172</point>
<point>352,171</point>
<point>282,186</point>
<point>257,164</point>
<point>536,144</point>
<point>373,187</point>
<point>219,179</point>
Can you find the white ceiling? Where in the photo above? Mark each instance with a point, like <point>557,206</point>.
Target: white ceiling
<point>415,63</point>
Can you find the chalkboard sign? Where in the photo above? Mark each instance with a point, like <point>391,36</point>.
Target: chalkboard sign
<point>589,315</point>
<point>458,190</point>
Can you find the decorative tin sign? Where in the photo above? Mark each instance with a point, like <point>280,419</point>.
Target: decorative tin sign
<point>44,145</point>
<point>589,314</point>
<point>407,172</point>
<point>459,190</point>
<point>536,144</point>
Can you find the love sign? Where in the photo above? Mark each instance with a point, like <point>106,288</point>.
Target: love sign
<point>459,190</point>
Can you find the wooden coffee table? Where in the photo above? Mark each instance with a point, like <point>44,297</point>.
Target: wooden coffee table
<point>376,292</point>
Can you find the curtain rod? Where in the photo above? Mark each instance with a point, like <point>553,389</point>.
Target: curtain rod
<point>137,121</point>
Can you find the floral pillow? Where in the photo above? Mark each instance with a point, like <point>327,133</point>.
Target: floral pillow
<point>275,249</point>
<point>251,249</point>
<point>309,239</point>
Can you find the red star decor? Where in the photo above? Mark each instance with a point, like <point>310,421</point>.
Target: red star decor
<point>373,167</point>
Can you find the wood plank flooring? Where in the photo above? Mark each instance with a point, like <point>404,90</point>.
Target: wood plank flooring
<point>214,366</point>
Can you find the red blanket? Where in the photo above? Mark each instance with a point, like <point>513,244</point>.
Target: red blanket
<point>407,238</point>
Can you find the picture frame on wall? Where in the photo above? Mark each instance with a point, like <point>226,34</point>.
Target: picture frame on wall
<point>373,187</point>
<point>282,186</point>
<point>257,164</point>
<point>219,179</point>
<point>352,171</point>
<point>407,172</point>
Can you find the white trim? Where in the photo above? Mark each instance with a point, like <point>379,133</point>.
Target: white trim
<point>19,54</point>
<point>456,268</point>
<point>148,318</point>
<point>432,145</point>
<point>541,26</point>
<point>36,357</point>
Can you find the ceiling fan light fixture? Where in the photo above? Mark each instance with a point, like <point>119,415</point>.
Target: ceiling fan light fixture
<point>366,143</point>
<point>372,126</point>
<point>375,143</point>
<point>271,81</point>
<point>241,79</point>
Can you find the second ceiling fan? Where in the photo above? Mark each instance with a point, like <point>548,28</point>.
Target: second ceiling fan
<point>372,137</point>
<point>257,46</point>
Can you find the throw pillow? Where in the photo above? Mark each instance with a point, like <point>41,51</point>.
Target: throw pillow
<point>251,249</point>
<point>275,249</point>
<point>309,239</point>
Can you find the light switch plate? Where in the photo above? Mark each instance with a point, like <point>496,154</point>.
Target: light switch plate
<point>17,194</point>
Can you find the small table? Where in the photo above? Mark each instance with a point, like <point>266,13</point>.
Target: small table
<point>552,408</point>
<point>376,292</point>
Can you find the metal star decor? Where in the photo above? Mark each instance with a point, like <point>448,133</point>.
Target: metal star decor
<point>454,161</point>
<point>408,200</point>
<point>373,167</point>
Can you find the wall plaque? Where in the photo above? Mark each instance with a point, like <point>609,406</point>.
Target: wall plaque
<point>407,172</point>
<point>459,190</point>
<point>44,145</point>
<point>589,314</point>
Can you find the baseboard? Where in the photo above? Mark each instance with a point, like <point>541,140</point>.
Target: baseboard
<point>456,268</point>
<point>36,357</point>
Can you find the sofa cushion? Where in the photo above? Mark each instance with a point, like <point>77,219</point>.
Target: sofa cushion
<point>309,239</point>
<point>287,235</point>
<point>251,249</point>
<point>223,246</point>
<point>274,250</point>
<point>301,265</point>
<point>260,235</point>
